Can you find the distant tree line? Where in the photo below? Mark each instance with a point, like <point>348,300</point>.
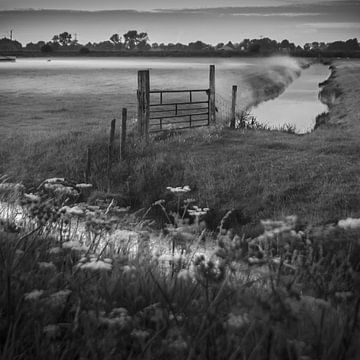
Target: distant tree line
<point>138,42</point>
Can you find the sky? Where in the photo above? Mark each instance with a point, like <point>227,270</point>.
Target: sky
<point>211,21</point>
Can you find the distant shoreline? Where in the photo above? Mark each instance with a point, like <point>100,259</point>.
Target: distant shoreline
<point>220,54</point>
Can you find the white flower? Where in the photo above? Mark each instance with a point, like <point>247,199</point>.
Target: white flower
<point>179,189</point>
<point>184,274</point>
<point>237,321</point>
<point>166,257</point>
<point>76,210</point>
<point>197,211</point>
<point>128,269</point>
<point>349,223</point>
<point>59,298</point>
<point>118,317</point>
<point>32,197</point>
<point>47,265</point>
<point>343,295</point>
<point>55,250</point>
<point>84,186</point>
<point>54,180</point>
<point>33,295</point>
<point>74,245</point>
<point>140,334</point>
<point>51,331</point>
<point>96,266</point>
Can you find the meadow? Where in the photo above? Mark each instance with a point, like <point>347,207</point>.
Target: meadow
<point>197,272</point>
<point>119,289</point>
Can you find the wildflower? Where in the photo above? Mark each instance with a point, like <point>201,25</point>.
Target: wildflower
<point>51,331</point>
<point>184,274</point>
<point>349,223</point>
<point>178,345</point>
<point>76,210</point>
<point>32,198</point>
<point>140,334</point>
<point>128,269</point>
<point>118,317</point>
<point>189,201</point>
<point>179,189</point>
<point>197,211</point>
<point>343,295</point>
<point>237,321</point>
<point>19,252</point>
<point>124,235</point>
<point>96,266</point>
<point>84,186</point>
<point>59,298</point>
<point>54,180</point>
<point>33,295</point>
<point>46,265</point>
<point>60,189</point>
<point>55,250</point>
<point>165,257</point>
<point>74,245</point>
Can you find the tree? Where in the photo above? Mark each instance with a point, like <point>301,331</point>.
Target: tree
<point>65,38</point>
<point>35,47</point>
<point>198,45</point>
<point>133,39</point>
<point>285,44</point>
<point>9,45</point>
<point>115,38</point>
<point>47,48</point>
<point>55,39</point>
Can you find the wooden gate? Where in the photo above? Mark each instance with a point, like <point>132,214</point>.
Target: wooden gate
<point>159,110</point>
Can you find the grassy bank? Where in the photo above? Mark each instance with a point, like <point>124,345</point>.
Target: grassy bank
<point>262,173</point>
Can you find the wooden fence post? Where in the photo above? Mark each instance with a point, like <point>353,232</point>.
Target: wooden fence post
<point>110,152</point>
<point>123,134</point>
<point>143,95</point>
<point>212,94</point>
<point>233,106</point>
<point>88,165</point>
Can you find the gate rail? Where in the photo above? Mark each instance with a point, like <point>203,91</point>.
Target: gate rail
<point>152,117</point>
<point>191,117</point>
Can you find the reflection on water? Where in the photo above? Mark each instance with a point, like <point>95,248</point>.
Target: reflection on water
<point>299,105</point>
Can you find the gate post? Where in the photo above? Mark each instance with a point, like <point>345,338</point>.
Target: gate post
<point>212,94</point>
<point>143,95</point>
<point>233,106</point>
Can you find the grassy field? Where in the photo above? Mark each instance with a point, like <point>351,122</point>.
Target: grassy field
<point>252,290</point>
<point>262,173</point>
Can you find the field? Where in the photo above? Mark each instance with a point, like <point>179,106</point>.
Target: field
<point>264,174</point>
<point>174,280</point>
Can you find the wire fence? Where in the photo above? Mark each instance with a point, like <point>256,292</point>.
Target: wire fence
<point>224,113</point>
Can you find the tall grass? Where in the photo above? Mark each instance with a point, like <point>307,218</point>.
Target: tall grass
<point>286,294</point>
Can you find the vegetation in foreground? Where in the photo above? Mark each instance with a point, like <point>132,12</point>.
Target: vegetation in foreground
<point>111,292</point>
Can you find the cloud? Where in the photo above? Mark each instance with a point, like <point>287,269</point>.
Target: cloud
<point>289,14</point>
<point>333,25</point>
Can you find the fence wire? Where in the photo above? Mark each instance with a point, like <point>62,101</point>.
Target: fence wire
<point>243,116</point>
